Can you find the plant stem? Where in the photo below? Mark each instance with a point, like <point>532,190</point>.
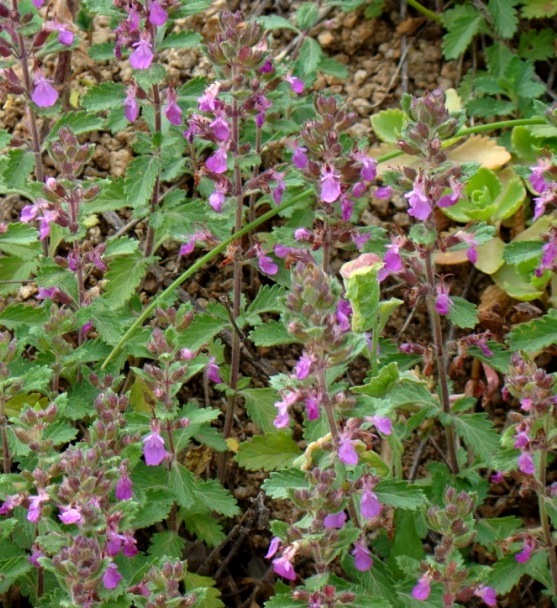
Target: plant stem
<point>424,11</point>
<point>544,519</point>
<point>438,347</point>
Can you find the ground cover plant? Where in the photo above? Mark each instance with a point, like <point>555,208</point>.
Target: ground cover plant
<point>218,314</point>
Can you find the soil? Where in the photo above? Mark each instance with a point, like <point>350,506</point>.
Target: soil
<point>385,57</point>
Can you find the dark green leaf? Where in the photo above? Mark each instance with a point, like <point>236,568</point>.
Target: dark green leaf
<point>19,164</point>
<point>310,56</point>
<point>167,544</point>
<point>21,314</point>
<point>271,333</point>
<point>535,335</point>
<point>105,96</point>
<point>140,179</point>
<point>463,314</point>
<point>462,24</point>
<point>400,494</point>
<point>260,406</point>
<point>184,485</point>
<point>537,45</point>
<point>488,106</point>
<point>216,498</point>
<point>154,508</point>
<point>78,122</point>
<point>124,275</point>
<point>518,252</point>
<point>153,75</point>
<point>278,484</point>
<point>180,40</point>
<point>504,16</point>
<point>275,22</point>
<point>268,452</point>
<point>480,436</point>
<point>203,526</point>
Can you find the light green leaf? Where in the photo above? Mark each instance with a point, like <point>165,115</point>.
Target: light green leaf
<point>332,67</point>
<point>310,56</point>
<point>167,544</point>
<point>103,51</point>
<point>154,508</point>
<point>105,96</point>
<point>20,240</point>
<point>19,163</point>
<point>14,564</point>
<point>14,315</point>
<point>463,314</point>
<point>462,24</point>
<point>184,485</point>
<point>380,385</point>
<point>271,333</point>
<point>201,331</point>
<point>216,498</point>
<point>78,122</point>
<point>140,179</point>
<point>268,452</point>
<point>362,289</point>
<point>124,275</point>
<point>400,494</point>
<point>14,271</point>
<point>518,252</point>
<point>268,299</point>
<point>279,483</point>
<point>260,406</point>
<point>180,40</point>
<point>539,9</point>
<point>307,15</point>
<point>152,75</point>
<point>479,434</point>
<point>534,335</point>
<point>504,16</point>
<point>388,124</point>
<point>511,280</point>
<point>276,22</point>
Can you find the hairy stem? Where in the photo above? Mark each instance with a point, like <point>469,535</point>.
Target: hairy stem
<point>438,346</point>
<point>544,519</point>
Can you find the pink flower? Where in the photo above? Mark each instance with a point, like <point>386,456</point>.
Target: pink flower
<point>312,407</point>
<point>303,366</point>
<point>34,512</point>
<point>157,14</point>
<point>208,102</point>
<point>296,84</point>
<point>280,187</point>
<point>335,520</point>
<point>526,463</point>
<point>330,186</point>
<point>153,446</point>
<point>10,504</point>
<point>299,158</point>
<point>70,515</point>
<point>142,57</point>
<point>362,557</point>
<point>265,262</point>
<point>216,163</point>
<point>173,111</point>
<point>370,505</point>
<point>283,567</point>
<point>111,577</point>
<point>346,451</point>
<point>213,371</point>
<point>38,3</point>
<point>383,424</point>
<point>368,170</point>
<point>443,303</point>
<point>487,595</point>
<point>44,95</point>
<point>451,199</point>
<point>273,547</point>
<point>422,590</point>
<point>525,554</point>
<point>124,488</point>
<point>131,108</point>
<point>420,205</point>
<point>220,129</point>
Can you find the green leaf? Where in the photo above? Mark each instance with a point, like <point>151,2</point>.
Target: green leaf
<point>260,406</point>
<point>275,22</point>
<point>307,15</point>
<point>20,240</point>
<point>184,485</point>
<point>310,56</point>
<point>332,67</point>
<point>462,24</point>
<point>167,544</point>
<point>400,494</point>
<point>141,176</point>
<point>103,51</point>
<point>271,333</point>
<point>362,289</point>
<point>203,526</point>
<point>214,497</point>
<point>78,122</point>
<point>479,434</point>
<point>15,315</point>
<point>268,299</point>
<point>489,530</point>
<point>506,573</point>
<point>201,331</point>
<point>463,314</point>
<point>154,508</point>
<point>268,452</point>
<point>504,15</point>
<point>5,138</point>
<point>19,164</point>
<point>192,7</point>
<point>534,335</point>
<point>105,96</point>
<point>488,106</point>
<point>537,45</point>
<point>280,483</point>
<point>153,75</point>
<point>539,9</point>
<point>388,124</point>
<point>124,275</point>
<point>518,252</point>
<point>380,385</point>
<point>14,564</point>
<point>14,271</point>
<point>180,40</point>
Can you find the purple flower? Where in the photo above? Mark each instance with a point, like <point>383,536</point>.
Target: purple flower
<point>38,3</point>
<point>34,511</point>
<point>283,567</point>
<point>335,520</point>
<point>44,95</point>
<point>10,504</point>
<point>344,310</point>
<point>525,554</point>
<point>451,199</point>
<point>549,255</point>
<point>391,260</point>
<point>302,234</point>
<point>280,187</point>
<point>111,577</point>
<point>208,102</point>
<point>383,424</point>
<point>370,505</point>
<point>281,421</point>
<point>153,446</point>
<point>368,171</point>
<point>157,14</point>
<point>383,193</point>
<point>296,84</point>
<point>267,67</point>
<point>422,590</point>
<point>299,158</point>
<point>124,488</point>
<point>70,515</point>
<point>131,107</point>
<point>526,463</point>
<point>497,477</point>
<point>537,177</point>
<point>330,186</point>
<point>34,558</point>
<point>265,262</point>
<point>362,556</point>
<point>312,407</point>
<point>142,57</point>
<point>487,595</point>
<point>303,366</point>
<point>443,303</point>
<point>217,198</point>
<point>216,163</point>
<point>213,372</point>
<point>420,205</point>
<point>173,111</point>
<point>346,206</point>
<point>358,189</point>
<point>346,451</point>
<point>65,36</point>
<point>273,547</point>
<point>220,129</point>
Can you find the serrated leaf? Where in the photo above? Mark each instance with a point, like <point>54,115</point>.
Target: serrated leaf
<point>103,51</point>
<point>539,9</point>
<point>462,24</point>
<point>479,434</point>
<point>400,494</point>
<point>271,333</point>
<point>489,106</point>
<point>14,315</point>
<point>506,573</point>
<point>14,271</point>
<point>279,483</point>
<point>388,124</point>
<point>180,40</point>
<point>167,544</point>
<point>518,252</point>
<point>201,331</point>
<point>504,15</point>
<point>268,452</point>
<point>152,75</point>
<point>380,385</point>
<point>260,406</point>
<point>332,67</point>
<point>5,138</point>
<point>307,15</point>
<point>105,96</point>
<point>140,179</point>
<point>20,240</point>
<point>310,56</point>
<point>214,497</point>
<point>534,335</point>
<point>19,163</point>
<point>492,529</point>
<point>276,22</point>
<point>463,314</point>
<point>183,484</point>
<point>537,45</point>
<point>13,566</point>
<point>268,299</point>
<point>154,508</point>
<point>78,122</point>
<point>203,526</point>
<point>124,275</point>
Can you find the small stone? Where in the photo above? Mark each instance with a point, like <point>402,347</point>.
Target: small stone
<point>119,160</point>
<point>325,39</point>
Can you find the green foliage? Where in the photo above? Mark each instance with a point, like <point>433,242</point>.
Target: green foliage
<point>269,452</point>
